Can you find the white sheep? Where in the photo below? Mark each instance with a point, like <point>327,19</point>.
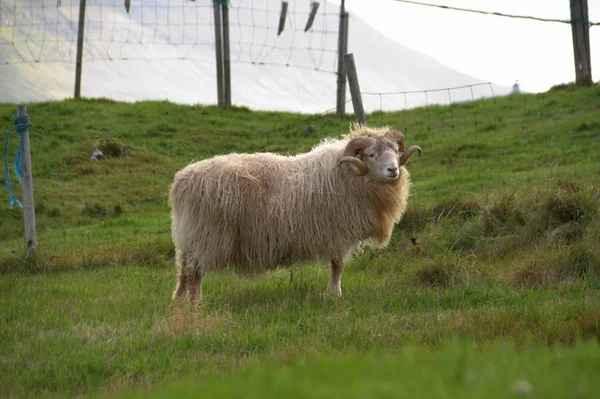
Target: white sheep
<point>254,212</point>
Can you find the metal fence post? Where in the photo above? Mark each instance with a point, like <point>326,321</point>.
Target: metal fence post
<point>341,72</point>
<point>218,51</point>
<point>226,57</point>
<point>79,62</point>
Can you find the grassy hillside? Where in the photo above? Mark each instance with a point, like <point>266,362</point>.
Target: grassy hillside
<point>497,151</point>
<point>500,246</point>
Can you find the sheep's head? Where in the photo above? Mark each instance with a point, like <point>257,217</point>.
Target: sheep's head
<point>378,156</point>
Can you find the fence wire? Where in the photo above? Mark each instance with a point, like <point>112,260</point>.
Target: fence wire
<point>45,31</point>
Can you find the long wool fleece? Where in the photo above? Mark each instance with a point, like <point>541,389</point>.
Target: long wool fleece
<point>252,212</point>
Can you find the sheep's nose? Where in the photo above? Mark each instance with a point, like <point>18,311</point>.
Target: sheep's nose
<point>393,169</point>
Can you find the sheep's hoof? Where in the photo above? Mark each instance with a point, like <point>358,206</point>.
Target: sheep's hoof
<point>177,296</point>
<point>335,292</point>
<point>195,300</point>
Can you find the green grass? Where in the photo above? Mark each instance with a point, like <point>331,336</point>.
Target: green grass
<point>114,328</point>
<point>492,277</point>
<point>455,370</point>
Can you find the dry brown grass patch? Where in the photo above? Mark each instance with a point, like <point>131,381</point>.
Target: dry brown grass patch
<point>184,319</point>
<point>446,270</point>
<point>560,265</point>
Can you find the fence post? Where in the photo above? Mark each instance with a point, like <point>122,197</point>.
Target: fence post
<point>341,72</point>
<point>359,111</point>
<point>218,51</point>
<point>226,59</point>
<point>79,63</point>
<point>28,204</point>
<point>580,29</point>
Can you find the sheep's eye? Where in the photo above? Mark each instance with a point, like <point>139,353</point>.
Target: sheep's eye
<point>371,155</point>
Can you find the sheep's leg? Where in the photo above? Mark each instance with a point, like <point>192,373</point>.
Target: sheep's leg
<point>180,261</point>
<point>181,286</point>
<point>335,282</point>
<point>194,287</point>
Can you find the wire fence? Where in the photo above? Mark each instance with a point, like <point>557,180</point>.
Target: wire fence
<point>408,99</point>
<point>496,13</point>
<point>45,31</point>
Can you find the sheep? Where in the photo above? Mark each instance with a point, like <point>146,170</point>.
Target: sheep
<point>253,212</point>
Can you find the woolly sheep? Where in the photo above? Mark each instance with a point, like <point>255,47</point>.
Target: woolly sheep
<point>254,212</point>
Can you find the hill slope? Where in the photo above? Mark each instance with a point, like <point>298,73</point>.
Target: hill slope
<point>478,150</point>
<point>499,249</point>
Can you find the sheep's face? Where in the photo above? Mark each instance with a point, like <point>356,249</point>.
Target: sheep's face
<point>380,158</point>
<point>381,161</point>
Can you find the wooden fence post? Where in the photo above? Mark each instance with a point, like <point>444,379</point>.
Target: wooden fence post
<point>79,60</point>
<point>580,29</point>
<point>28,204</point>
<point>359,111</point>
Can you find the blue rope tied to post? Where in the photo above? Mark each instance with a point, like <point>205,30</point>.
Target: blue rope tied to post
<point>22,124</point>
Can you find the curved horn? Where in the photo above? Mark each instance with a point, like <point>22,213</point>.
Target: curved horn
<point>397,137</point>
<point>361,168</point>
<point>408,153</point>
<point>352,148</point>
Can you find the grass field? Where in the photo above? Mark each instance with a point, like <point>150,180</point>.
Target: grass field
<point>490,285</point>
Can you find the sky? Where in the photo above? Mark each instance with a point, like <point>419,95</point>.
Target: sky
<point>498,49</point>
